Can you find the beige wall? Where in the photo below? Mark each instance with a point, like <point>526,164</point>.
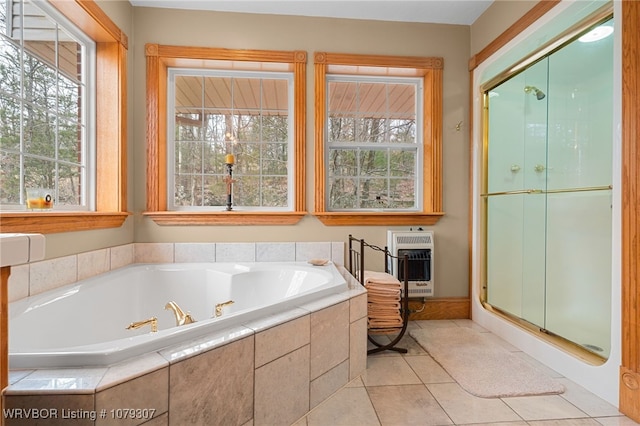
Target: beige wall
<point>252,31</point>
<point>120,12</point>
<point>495,20</point>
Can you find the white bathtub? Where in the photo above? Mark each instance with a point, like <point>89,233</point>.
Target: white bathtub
<point>84,324</point>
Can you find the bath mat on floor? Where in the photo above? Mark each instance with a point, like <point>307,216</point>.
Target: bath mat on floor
<point>482,367</point>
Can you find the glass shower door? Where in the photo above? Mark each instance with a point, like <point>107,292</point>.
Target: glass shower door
<point>548,194</point>
<point>515,209</point>
<point>579,173</point>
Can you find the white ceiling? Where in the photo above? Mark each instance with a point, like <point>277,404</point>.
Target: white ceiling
<point>461,12</point>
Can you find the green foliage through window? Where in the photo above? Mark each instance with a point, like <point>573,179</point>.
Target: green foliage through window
<point>218,113</point>
<point>374,147</point>
<point>43,99</point>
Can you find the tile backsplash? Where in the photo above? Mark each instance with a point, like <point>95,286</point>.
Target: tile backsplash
<point>37,277</point>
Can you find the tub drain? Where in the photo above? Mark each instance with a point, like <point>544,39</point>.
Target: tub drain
<point>593,347</point>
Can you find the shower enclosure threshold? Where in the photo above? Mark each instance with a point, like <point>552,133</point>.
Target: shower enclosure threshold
<point>585,352</point>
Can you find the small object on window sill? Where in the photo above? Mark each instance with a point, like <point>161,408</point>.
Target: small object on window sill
<point>39,199</point>
<point>318,262</point>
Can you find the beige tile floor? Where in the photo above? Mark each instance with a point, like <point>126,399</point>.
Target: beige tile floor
<point>412,389</point>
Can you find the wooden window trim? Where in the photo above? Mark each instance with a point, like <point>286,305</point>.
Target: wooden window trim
<point>111,131</point>
<point>430,68</point>
<point>159,59</point>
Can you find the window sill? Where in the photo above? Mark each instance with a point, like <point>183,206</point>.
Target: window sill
<point>233,217</point>
<point>58,221</point>
<point>378,218</point>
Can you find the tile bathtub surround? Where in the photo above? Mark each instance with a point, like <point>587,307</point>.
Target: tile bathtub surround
<point>134,394</point>
<point>214,388</point>
<point>36,277</point>
<point>275,252</point>
<point>306,251</point>
<point>135,367</point>
<point>232,382</point>
<point>324,356</point>
<point>329,338</point>
<point>49,274</point>
<point>337,252</point>
<point>357,347</point>
<point>235,252</point>
<point>121,255</point>
<point>93,263</point>
<point>282,392</point>
<point>153,252</point>
<point>64,380</point>
<point>194,252</point>
<point>278,341</point>
<point>326,385</point>
<point>239,252</point>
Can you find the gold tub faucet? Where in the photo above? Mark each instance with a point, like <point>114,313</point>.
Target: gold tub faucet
<point>182,318</point>
<point>219,307</point>
<point>153,321</point>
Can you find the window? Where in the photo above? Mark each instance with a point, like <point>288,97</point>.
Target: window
<point>45,142</point>
<point>63,127</point>
<point>373,129</point>
<point>378,133</point>
<point>217,113</point>
<point>248,103</point>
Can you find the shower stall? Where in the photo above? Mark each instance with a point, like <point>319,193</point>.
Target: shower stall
<point>546,193</point>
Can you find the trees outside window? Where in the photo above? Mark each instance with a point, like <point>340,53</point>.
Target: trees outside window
<point>374,134</point>
<point>378,139</point>
<point>219,113</point>
<point>63,142</point>
<point>45,107</point>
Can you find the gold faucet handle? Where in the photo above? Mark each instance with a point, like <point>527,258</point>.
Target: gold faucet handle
<point>153,322</point>
<point>188,319</point>
<point>219,307</point>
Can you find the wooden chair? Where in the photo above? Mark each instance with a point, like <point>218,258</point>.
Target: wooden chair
<point>357,248</point>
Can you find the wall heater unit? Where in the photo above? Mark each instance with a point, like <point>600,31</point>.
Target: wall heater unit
<point>419,247</point>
